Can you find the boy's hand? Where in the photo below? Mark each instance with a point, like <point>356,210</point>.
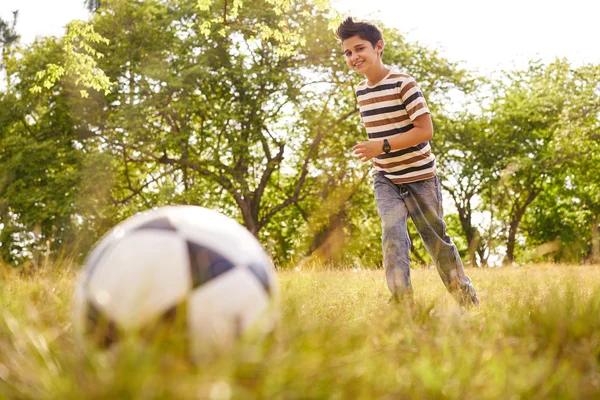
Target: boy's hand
<point>367,150</point>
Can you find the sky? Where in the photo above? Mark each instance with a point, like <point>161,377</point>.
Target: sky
<point>485,35</point>
<point>42,17</point>
<point>488,35</point>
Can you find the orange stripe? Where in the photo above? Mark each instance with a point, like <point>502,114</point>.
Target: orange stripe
<point>416,108</point>
<point>387,121</point>
<point>403,162</point>
<point>413,178</point>
<point>378,100</point>
<point>407,87</point>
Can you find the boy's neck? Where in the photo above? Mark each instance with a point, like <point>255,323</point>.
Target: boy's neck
<point>374,77</point>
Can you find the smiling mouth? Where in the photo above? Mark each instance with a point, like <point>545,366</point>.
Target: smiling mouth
<point>358,64</point>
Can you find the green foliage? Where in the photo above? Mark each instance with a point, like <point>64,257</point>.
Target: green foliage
<point>468,154</point>
<point>534,132</point>
<point>8,33</point>
<point>92,5</point>
<point>38,163</point>
<point>79,61</point>
<point>249,108</point>
<point>548,117</point>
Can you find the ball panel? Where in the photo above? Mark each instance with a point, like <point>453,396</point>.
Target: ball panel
<point>105,332</point>
<point>146,273</point>
<point>206,264</point>
<point>223,308</point>
<point>160,223</point>
<point>219,233</point>
<point>80,304</point>
<point>261,273</point>
<point>140,221</point>
<point>101,328</point>
<point>98,254</point>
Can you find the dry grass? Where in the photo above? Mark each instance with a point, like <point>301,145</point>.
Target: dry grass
<point>535,335</point>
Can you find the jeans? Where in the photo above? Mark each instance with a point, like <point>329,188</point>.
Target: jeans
<point>422,201</point>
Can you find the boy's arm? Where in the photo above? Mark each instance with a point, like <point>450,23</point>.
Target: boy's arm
<point>422,131</point>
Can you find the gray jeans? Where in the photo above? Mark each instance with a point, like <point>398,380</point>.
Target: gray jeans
<point>422,201</point>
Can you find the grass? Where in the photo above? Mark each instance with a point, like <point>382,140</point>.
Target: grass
<point>536,334</point>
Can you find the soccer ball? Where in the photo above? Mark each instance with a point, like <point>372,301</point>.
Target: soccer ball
<point>160,262</point>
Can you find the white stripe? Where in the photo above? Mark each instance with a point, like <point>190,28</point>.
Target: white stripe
<point>417,113</point>
<point>406,156</point>
<point>385,81</point>
<point>408,175</point>
<point>381,104</point>
<point>382,128</point>
<point>413,164</point>
<point>414,103</point>
<point>380,93</point>
<point>411,174</point>
<point>410,92</point>
<point>395,114</point>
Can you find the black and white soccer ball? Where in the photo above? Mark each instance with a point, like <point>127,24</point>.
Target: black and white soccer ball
<point>176,258</point>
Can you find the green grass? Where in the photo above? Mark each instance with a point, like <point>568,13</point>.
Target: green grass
<point>536,335</point>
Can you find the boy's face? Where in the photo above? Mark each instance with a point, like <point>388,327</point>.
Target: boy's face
<point>361,56</point>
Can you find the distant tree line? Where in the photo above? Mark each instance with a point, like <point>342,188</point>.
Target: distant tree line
<point>248,108</point>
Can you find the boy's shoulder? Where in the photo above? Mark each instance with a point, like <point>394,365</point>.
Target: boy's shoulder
<point>395,76</point>
<point>399,77</point>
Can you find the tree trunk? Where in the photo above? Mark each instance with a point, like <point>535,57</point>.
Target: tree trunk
<point>510,244</point>
<point>483,258</point>
<point>473,246</point>
<point>514,226</point>
<point>250,220</point>
<point>595,239</point>
<point>490,233</point>
<point>471,233</point>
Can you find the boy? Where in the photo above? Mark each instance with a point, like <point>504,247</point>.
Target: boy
<point>398,123</point>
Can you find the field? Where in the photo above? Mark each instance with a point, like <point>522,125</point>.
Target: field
<point>536,335</point>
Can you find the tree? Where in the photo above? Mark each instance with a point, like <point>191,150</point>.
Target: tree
<point>8,38</point>
<point>247,108</point>
<point>92,5</point>
<point>547,115</point>
<point>567,214</point>
<point>38,164</point>
<point>469,154</point>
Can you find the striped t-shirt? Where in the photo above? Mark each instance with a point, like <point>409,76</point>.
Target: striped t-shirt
<point>388,109</point>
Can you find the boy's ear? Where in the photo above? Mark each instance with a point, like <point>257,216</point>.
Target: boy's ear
<point>380,45</point>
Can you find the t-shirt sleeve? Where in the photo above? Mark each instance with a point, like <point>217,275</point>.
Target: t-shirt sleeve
<point>412,98</point>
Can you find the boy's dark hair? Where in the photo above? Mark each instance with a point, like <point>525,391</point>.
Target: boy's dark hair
<point>364,30</point>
